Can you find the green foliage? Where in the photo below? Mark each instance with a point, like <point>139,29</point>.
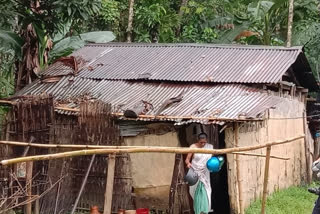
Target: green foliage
<point>6,79</point>
<point>10,41</point>
<point>113,16</point>
<point>66,46</point>
<point>6,73</point>
<point>307,34</point>
<point>202,18</point>
<point>200,21</point>
<point>155,21</point>
<point>294,200</point>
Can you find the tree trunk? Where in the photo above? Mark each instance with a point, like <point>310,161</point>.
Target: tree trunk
<point>29,66</point>
<point>290,21</point>
<point>180,15</point>
<point>130,21</point>
<point>28,69</point>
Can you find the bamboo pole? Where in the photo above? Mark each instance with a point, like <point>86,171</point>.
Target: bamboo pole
<point>260,155</point>
<point>265,182</point>
<point>7,102</point>
<point>66,146</point>
<point>37,204</point>
<point>236,139</point>
<point>307,149</point>
<point>109,184</point>
<point>29,169</point>
<point>145,150</point>
<point>78,146</point>
<point>29,166</point>
<point>83,185</point>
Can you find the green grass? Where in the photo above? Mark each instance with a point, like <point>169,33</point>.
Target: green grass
<point>294,200</point>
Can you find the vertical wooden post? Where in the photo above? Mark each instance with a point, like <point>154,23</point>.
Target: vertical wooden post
<point>265,182</point>
<point>307,148</point>
<point>109,184</point>
<point>37,205</point>
<point>236,139</point>
<point>29,166</point>
<point>179,187</point>
<point>174,183</point>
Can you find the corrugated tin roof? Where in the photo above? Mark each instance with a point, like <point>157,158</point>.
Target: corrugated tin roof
<point>199,101</point>
<point>183,62</point>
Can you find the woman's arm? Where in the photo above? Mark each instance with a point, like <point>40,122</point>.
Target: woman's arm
<point>188,160</point>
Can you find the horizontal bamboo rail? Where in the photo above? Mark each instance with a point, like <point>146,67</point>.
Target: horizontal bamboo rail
<point>73,146</point>
<point>145,150</point>
<point>66,146</point>
<point>260,155</point>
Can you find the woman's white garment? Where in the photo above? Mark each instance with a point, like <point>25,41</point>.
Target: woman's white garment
<point>199,164</point>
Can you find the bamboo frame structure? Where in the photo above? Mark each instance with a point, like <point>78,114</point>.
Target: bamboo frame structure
<point>120,149</point>
<point>73,146</point>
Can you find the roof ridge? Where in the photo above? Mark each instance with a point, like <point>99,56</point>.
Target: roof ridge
<point>196,45</point>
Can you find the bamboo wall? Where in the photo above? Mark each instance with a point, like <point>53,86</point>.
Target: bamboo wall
<point>282,173</point>
<point>35,117</point>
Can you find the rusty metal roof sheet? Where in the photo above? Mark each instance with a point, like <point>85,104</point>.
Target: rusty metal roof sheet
<point>183,62</point>
<point>200,101</point>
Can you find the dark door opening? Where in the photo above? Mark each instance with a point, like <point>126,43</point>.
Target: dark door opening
<point>219,184</point>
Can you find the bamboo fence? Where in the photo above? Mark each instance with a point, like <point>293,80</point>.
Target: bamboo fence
<point>112,150</point>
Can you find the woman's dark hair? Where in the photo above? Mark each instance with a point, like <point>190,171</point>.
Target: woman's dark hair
<point>202,135</point>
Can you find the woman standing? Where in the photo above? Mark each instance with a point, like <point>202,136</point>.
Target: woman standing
<point>198,162</point>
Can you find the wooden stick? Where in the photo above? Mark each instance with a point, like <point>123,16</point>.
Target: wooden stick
<point>7,102</point>
<point>239,184</point>
<point>145,150</point>
<point>265,182</point>
<point>83,184</point>
<point>29,166</point>
<point>58,190</point>
<point>67,146</point>
<point>307,149</point>
<point>29,169</point>
<point>174,182</point>
<point>73,146</point>
<point>260,155</point>
<point>109,184</point>
<point>37,205</point>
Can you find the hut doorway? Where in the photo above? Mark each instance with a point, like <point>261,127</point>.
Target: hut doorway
<point>219,184</point>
